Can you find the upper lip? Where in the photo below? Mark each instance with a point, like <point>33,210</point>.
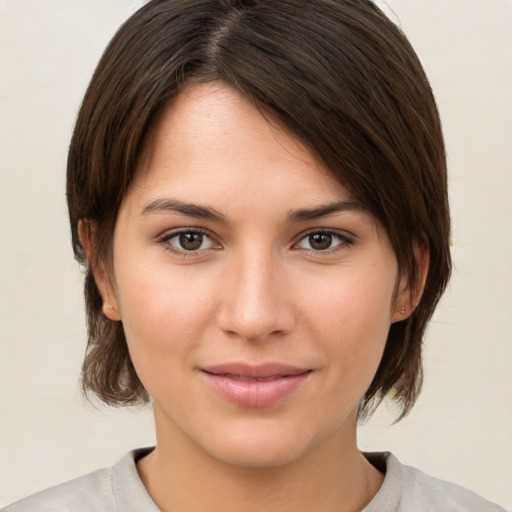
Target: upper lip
<point>259,371</point>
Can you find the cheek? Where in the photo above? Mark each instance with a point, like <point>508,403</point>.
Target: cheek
<point>163,312</point>
<point>353,300</point>
<point>352,317</point>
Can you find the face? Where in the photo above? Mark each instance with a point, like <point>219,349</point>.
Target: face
<point>256,295</point>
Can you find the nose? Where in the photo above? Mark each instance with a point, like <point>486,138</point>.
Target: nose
<point>255,301</point>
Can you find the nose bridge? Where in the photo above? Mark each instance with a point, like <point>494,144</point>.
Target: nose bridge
<point>254,304</point>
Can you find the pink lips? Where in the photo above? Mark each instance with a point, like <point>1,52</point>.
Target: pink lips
<point>255,386</point>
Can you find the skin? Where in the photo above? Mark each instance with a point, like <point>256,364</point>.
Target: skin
<point>255,291</point>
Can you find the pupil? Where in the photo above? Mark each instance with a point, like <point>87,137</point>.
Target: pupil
<point>320,241</point>
<point>191,241</point>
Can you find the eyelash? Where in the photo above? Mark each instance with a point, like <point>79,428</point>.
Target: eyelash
<point>165,240</point>
<point>344,241</point>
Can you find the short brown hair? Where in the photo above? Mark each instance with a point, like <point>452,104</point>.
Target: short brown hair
<point>338,74</point>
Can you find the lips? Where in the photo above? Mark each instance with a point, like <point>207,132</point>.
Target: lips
<point>255,386</point>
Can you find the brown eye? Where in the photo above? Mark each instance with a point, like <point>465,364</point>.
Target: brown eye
<point>324,241</point>
<point>191,241</point>
<point>320,241</point>
<point>188,241</point>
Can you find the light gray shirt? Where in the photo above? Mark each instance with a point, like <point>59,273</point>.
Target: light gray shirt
<point>119,489</point>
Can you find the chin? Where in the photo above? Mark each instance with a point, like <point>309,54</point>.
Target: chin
<point>261,446</point>
<point>257,456</point>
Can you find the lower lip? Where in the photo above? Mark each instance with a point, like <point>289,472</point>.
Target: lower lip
<point>255,393</point>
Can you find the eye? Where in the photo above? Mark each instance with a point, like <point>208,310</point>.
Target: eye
<point>323,241</point>
<point>190,240</point>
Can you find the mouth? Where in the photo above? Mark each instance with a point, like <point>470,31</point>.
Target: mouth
<point>249,379</point>
<point>255,386</point>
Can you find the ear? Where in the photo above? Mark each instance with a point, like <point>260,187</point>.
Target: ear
<point>101,276</point>
<point>409,294</point>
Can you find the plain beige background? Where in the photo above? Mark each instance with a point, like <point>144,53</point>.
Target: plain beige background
<point>461,428</point>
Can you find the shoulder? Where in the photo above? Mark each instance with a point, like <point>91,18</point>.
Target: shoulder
<point>420,488</point>
<point>89,492</point>
<point>108,489</point>
<point>406,488</point>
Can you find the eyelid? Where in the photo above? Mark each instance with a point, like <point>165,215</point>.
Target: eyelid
<point>169,235</point>
<point>346,239</point>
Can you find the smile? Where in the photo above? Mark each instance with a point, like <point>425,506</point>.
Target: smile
<point>255,386</point>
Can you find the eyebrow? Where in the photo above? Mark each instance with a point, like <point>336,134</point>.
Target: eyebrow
<point>192,210</point>
<point>322,211</point>
<point>208,213</point>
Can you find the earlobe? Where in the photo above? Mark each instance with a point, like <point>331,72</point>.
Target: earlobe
<point>410,294</point>
<point>111,313</point>
<point>110,307</point>
<point>402,308</point>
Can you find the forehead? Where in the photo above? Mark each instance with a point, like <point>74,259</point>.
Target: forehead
<point>209,136</point>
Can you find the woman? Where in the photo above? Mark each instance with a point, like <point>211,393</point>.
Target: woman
<point>258,192</point>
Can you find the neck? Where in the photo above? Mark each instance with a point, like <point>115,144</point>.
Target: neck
<point>333,477</point>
